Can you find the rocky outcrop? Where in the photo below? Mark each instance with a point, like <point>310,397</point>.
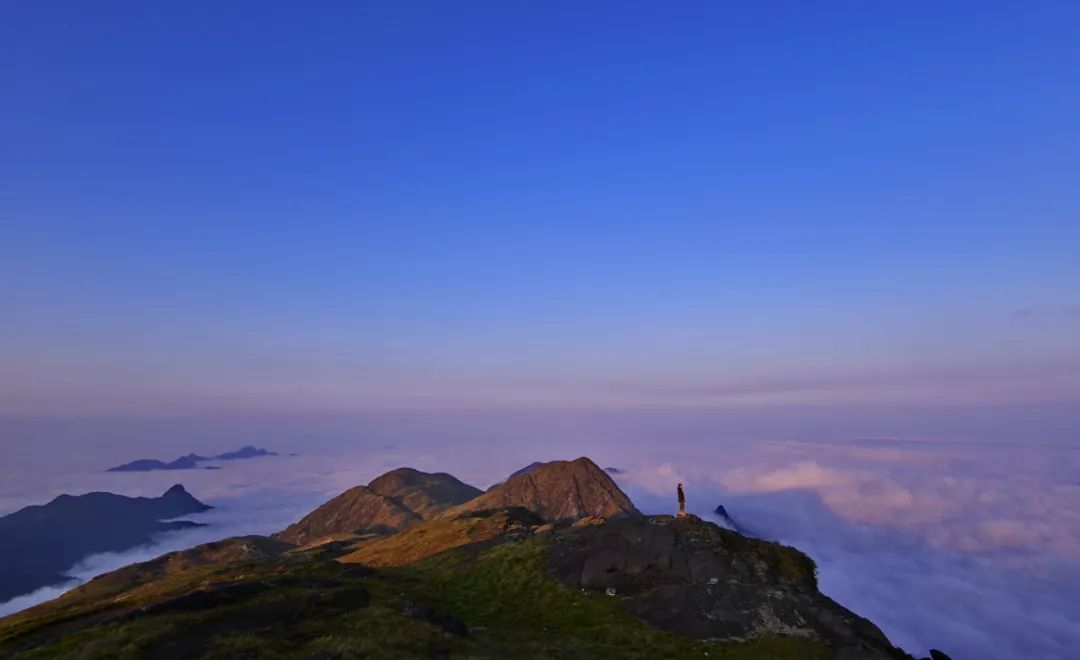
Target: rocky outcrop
<point>559,490</point>
<point>695,578</point>
<point>422,493</point>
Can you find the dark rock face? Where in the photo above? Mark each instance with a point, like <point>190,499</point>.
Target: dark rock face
<point>694,578</point>
<point>38,543</point>
<point>422,493</point>
<point>559,490</point>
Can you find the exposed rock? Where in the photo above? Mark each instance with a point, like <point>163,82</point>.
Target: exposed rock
<point>559,490</point>
<point>422,493</point>
<point>697,579</point>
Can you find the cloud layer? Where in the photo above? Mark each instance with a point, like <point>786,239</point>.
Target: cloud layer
<point>969,547</point>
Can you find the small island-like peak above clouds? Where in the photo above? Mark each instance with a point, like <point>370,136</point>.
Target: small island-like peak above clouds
<point>191,461</point>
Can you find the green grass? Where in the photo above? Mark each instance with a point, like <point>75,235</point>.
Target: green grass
<point>502,594</point>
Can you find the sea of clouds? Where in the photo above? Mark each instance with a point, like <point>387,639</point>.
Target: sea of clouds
<point>968,545</point>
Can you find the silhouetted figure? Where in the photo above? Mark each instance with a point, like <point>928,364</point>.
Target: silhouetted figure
<point>682,502</point>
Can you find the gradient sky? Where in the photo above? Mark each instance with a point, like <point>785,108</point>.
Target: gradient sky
<point>230,206</point>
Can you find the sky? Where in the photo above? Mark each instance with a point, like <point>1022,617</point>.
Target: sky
<point>267,207</point>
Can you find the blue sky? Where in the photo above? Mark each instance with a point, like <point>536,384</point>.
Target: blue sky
<point>267,206</point>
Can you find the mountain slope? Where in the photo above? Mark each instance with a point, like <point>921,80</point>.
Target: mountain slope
<point>559,490</point>
<point>38,543</point>
<point>524,591</point>
<point>423,493</point>
<point>602,581</point>
<point>356,511</point>
<point>391,503</point>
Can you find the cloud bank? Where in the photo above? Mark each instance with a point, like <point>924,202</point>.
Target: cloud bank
<point>971,547</point>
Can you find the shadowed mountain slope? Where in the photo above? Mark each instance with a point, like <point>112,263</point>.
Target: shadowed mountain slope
<point>38,543</point>
<point>559,490</point>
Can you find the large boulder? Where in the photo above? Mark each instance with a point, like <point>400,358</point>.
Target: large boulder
<point>695,578</point>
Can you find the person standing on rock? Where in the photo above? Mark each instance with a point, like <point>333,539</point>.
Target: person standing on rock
<point>682,502</point>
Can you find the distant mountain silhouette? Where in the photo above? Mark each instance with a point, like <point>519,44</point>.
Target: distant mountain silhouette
<point>723,514</point>
<point>188,462</point>
<point>38,543</point>
<point>245,452</point>
<point>392,502</point>
<point>191,461</point>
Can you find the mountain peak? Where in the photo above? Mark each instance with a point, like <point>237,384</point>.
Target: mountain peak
<point>392,502</point>
<point>177,489</point>
<point>356,511</point>
<point>557,490</point>
<point>424,493</point>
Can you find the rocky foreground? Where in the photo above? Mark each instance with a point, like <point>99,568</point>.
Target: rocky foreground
<point>554,562</point>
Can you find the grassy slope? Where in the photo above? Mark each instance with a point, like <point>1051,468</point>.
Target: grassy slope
<point>311,605</point>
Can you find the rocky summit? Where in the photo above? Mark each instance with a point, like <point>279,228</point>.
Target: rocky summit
<point>422,493</point>
<point>554,563</point>
<point>391,503</point>
<point>557,491</point>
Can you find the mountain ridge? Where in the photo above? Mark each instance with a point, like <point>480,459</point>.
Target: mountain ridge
<point>39,542</point>
<point>190,461</point>
<point>476,579</point>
